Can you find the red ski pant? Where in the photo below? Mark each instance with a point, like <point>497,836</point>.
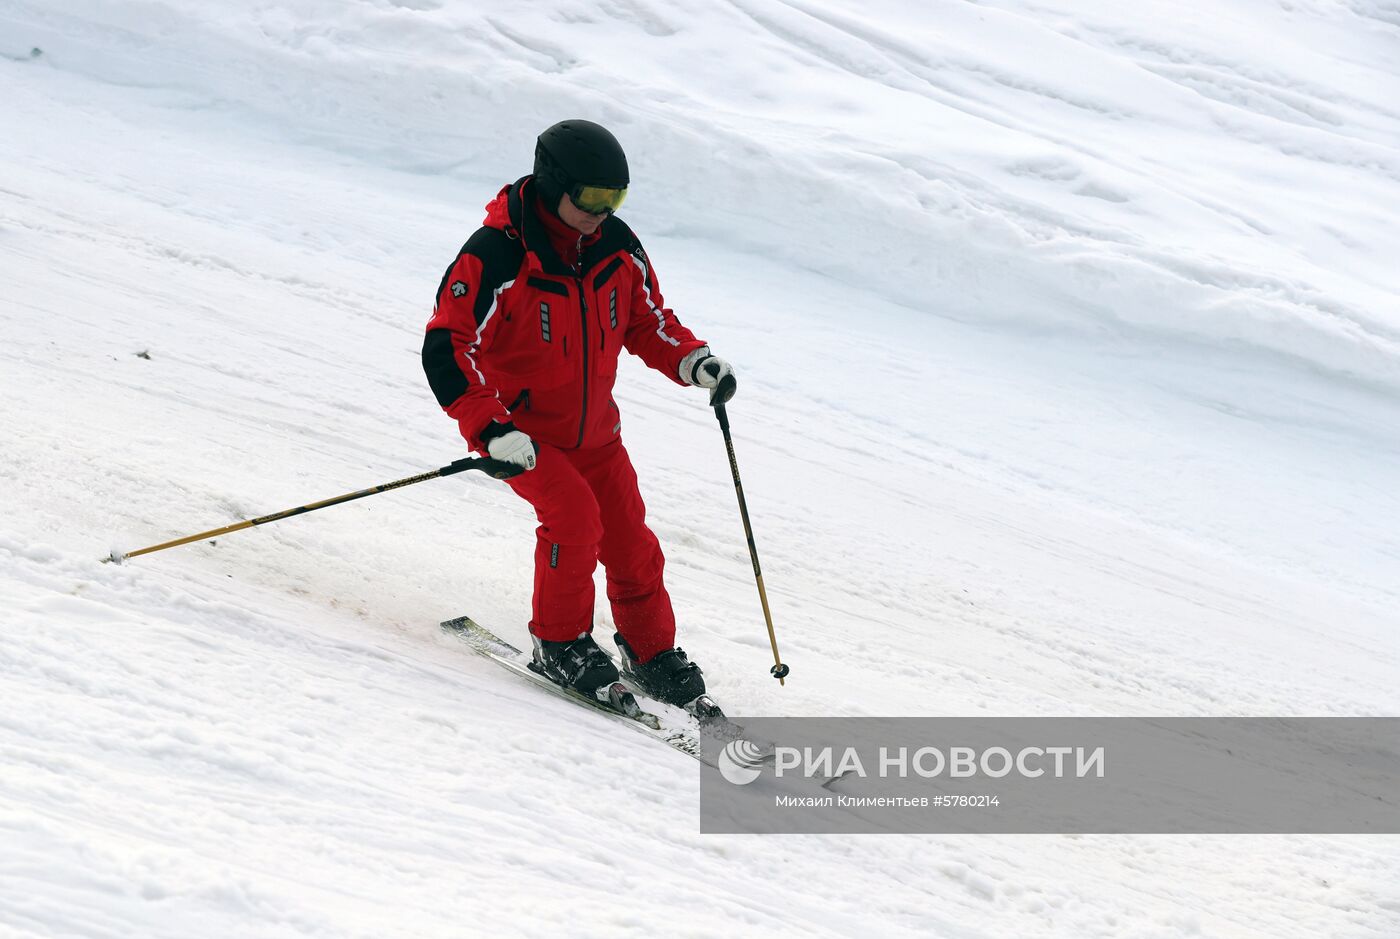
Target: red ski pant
<point>589,510</point>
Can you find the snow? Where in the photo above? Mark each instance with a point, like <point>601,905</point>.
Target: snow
<point>1069,356</point>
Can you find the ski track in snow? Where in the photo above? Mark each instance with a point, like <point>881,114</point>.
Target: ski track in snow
<point>1069,354</point>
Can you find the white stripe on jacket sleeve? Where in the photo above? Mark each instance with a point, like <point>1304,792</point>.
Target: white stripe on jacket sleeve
<point>659,314</point>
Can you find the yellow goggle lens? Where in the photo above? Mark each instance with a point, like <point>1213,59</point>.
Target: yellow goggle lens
<point>595,200</point>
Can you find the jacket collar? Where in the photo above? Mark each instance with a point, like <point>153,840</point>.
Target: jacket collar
<point>513,211</point>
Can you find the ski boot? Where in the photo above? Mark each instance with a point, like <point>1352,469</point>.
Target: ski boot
<point>667,676</point>
<point>578,664</point>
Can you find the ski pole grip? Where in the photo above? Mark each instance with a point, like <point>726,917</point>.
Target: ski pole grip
<point>723,391</point>
<point>496,469</point>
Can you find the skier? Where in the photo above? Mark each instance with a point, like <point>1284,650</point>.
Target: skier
<point>522,352</point>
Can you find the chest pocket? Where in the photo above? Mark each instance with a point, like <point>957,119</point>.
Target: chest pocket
<point>537,345</point>
<point>610,299</point>
<point>552,307</point>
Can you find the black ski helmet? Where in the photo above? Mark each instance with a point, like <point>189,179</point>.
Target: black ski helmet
<point>577,152</point>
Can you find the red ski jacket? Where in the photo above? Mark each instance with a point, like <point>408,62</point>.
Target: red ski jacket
<point>520,337</point>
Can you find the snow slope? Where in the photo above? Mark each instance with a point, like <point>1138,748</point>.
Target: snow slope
<point>1067,338</point>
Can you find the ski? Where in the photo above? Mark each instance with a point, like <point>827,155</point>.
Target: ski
<point>616,702</point>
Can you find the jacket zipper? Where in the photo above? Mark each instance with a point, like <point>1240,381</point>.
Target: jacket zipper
<point>583,319</point>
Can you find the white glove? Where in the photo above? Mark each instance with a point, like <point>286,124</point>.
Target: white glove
<point>513,447</point>
<point>705,370</point>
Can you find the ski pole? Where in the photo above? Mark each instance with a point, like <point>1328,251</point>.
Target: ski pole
<point>498,469</point>
<point>722,393</point>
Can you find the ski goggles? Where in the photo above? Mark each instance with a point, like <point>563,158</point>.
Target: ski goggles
<point>595,200</point>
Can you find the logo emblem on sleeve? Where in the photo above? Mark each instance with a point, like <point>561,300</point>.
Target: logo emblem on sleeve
<point>459,288</point>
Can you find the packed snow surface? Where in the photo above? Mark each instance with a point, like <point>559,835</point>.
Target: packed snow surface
<point>1069,353</point>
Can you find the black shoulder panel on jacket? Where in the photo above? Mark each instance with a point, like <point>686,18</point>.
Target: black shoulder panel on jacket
<point>616,236</point>
<point>500,256</point>
<point>621,237</point>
